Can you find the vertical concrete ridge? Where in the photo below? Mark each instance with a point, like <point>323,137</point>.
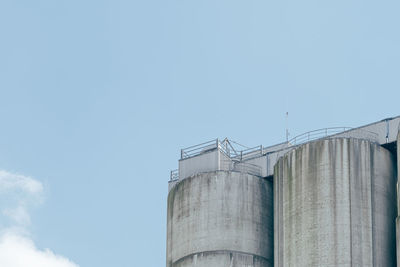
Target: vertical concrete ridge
<point>350,217</point>
<point>398,203</point>
<point>373,207</point>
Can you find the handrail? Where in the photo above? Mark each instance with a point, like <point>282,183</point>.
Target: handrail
<point>333,131</point>
<point>224,146</point>
<point>198,149</point>
<point>247,168</point>
<point>174,175</point>
<point>238,154</point>
<point>198,145</point>
<point>316,134</point>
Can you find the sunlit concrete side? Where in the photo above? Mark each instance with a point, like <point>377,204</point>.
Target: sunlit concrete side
<point>334,203</point>
<point>220,219</point>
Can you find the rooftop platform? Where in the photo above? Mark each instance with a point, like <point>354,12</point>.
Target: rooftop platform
<point>228,155</point>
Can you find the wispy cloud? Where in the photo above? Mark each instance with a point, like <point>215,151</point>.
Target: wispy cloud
<point>19,215</point>
<point>11,181</point>
<point>18,193</point>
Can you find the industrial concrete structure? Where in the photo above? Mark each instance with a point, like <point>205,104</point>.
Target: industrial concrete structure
<point>398,203</point>
<point>219,218</point>
<point>335,205</point>
<point>324,198</point>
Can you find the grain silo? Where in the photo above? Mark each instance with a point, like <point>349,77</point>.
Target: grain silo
<point>325,198</point>
<point>221,215</point>
<point>398,203</point>
<point>335,205</point>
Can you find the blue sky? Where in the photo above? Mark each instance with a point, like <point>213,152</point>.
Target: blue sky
<point>97,98</point>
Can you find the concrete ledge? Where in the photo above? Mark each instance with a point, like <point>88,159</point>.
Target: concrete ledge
<point>219,258</point>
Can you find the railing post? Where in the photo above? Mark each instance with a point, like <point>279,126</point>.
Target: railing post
<point>387,131</point>
<point>181,153</point>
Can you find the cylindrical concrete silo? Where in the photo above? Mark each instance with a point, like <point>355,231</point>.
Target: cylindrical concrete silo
<point>219,219</point>
<point>335,205</point>
<point>398,203</point>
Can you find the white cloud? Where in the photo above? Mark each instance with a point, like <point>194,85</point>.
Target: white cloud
<point>19,251</point>
<point>19,215</point>
<point>19,193</point>
<point>11,181</point>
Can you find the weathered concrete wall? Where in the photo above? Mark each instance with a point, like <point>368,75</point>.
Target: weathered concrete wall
<point>205,162</point>
<point>334,205</point>
<point>220,219</point>
<point>222,259</point>
<point>398,203</point>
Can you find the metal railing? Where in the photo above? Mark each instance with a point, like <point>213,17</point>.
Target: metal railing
<point>235,152</point>
<point>334,132</point>
<point>316,134</point>
<point>360,134</point>
<point>245,167</point>
<point>199,149</point>
<point>227,148</point>
<point>224,146</point>
<point>174,175</point>
<point>248,153</point>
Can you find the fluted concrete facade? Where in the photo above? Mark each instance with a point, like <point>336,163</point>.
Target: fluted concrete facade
<point>335,205</point>
<point>220,218</point>
<point>398,204</point>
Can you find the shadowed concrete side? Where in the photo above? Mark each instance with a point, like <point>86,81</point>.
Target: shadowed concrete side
<point>398,204</point>
<point>334,204</point>
<point>220,219</point>
<point>222,258</point>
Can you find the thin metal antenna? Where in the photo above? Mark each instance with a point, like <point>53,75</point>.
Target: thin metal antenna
<point>287,127</point>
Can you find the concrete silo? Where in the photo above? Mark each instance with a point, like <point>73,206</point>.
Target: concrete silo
<point>335,205</point>
<point>220,218</point>
<point>398,203</point>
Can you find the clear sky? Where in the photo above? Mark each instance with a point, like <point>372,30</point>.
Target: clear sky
<point>97,98</point>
